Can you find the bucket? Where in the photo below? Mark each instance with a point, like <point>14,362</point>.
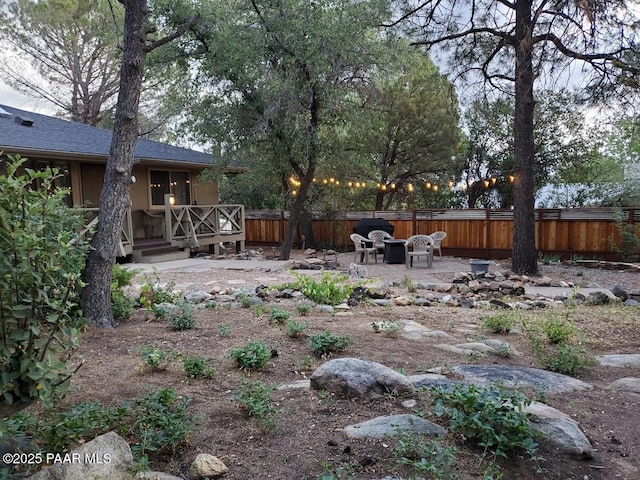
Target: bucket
<point>479,266</point>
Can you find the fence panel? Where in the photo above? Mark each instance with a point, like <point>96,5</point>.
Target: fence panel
<point>474,232</point>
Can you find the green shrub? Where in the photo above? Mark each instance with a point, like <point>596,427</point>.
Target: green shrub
<point>425,456</point>
<point>331,289</point>
<point>180,315</point>
<point>41,265</point>
<point>160,424</point>
<point>121,305</point>
<point>493,416</point>
<point>295,329</point>
<point>501,323</point>
<point>196,367</point>
<point>252,356</point>
<point>629,245</point>
<point>389,328</point>
<point>153,424</point>
<point>254,396</point>
<point>324,343</point>
<point>304,308</point>
<point>245,300</point>
<point>155,359</point>
<point>154,292</point>
<point>278,315</point>
<point>224,330</point>
<point>565,358</point>
<point>559,329</point>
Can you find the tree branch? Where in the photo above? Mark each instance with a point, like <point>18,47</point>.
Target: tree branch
<point>178,33</point>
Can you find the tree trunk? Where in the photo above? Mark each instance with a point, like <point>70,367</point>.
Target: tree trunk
<point>524,257</point>
<point>306,226</point>
<point>294,216</point>
<point>114,199</point>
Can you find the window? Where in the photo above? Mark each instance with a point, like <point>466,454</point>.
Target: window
<point>176,183</point>
<point>64,176</point>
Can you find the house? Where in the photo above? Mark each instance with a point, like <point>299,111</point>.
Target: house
<point>193,219</point>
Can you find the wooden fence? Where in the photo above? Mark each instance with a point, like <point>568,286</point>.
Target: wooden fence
<point>477,233</point>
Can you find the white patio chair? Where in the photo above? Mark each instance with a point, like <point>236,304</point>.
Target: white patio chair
<point>378,237</point>
<point>422,247</point>
<point>437,240</point>
<point>363,249</point>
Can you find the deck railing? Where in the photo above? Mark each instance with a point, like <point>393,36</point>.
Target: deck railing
<point>194,226</point>
<point>125,245</point>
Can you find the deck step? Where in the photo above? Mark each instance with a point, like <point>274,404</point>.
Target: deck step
<point>176,254</point>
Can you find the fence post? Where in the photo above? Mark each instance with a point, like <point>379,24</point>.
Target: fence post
<point>487,233</point>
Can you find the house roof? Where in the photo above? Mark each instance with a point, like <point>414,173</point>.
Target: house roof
<point>54,136</point>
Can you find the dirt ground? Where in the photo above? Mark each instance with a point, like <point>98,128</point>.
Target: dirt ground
<point>308,436</point>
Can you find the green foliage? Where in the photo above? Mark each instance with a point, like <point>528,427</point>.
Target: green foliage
<point>304,308</point>
<point>629,245</point>
<point>324,343</point>
<point>425,456</point>
<point>160,423</point>
<point>181,316</point>
<point>121,305</point>
<point>155,359</point>
<point>254,396</point>
<point>555,347</point>
<point>153,423</point>
<point>224,330</point>
<point>295,329</point>
<point>196,367</point>
<point>330,289</point>
<point>245,300</point>
<point>40,283</point>
<point>278,315</point>
<point>411,287</point>
<point>500,323</point>
<point>559,329</point>
<point>57,431</point>
<point>153,292</point>
<point>252,356</point>
<point>344,472</point>
<point>307,362</point>
<point>389,328</point>
<point>492,416</point>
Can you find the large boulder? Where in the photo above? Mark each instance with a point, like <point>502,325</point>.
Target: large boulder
<point>107,456</point>
<point>381,427</point>
<point>359,378</point>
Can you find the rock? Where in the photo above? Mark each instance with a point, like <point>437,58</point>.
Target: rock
<point>381,427</point>
<point>619,360</point>
<point>359,378</point>
<point>198,297</point>
<point>499,346</point>
<point>206,466</point>
<point>476,347</point>
<point>559,430</point>
<point>598,298</point>
<point>150,475</point>
<point>428,380</point>
<point>627,384</point>
<point>358,271</point>
<point>402,301</point>
<point>620,292</point>
<point>515,377</point>
<point>414,331</point>
<point>109,457</point>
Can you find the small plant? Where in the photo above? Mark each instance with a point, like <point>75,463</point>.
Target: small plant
<point>324,343</point>
<point>304,308</point>
<point>154,292</point>
<point>411,287</point>
<point>501,323</point>
<point>121,305</point>
<point>155,359</point>
<point>492,416</point>
<point>181,316</point>
<point>425,456</point>
<point>558,329</point>
<point>389,328</point>
<point>252,356</point>
<point>211,304</point>
<point>224,330</point>
<point>567,359</point>
<point>196,367</point>
<point>329,290</point>
<point>504,350</point>
<point>160,423</point>
<point>295,329</point>
<point>245,300</point>
<point>344,472</point>
<point>278,315</point>
<point>307,362</point>
<point>258,310</point>
<point>254,397</point>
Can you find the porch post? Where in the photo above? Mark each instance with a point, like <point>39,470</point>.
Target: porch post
<point>169,201</point>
